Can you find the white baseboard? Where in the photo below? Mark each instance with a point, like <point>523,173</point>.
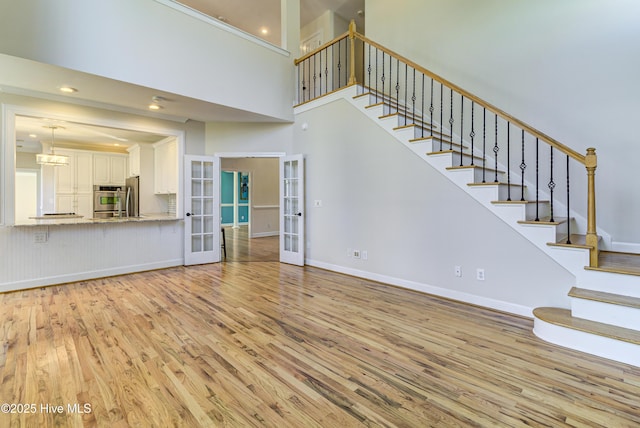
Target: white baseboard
<point>626,247</point>
<point>264,234</point>
<point>473,299</point>
<point>83,276</point>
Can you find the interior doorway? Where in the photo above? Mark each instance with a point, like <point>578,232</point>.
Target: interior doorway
<point>249,208</point>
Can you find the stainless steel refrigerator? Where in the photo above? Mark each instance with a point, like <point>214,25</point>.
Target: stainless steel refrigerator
<point>133,197</point>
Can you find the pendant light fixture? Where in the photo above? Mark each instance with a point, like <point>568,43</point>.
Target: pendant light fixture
<point>52,158</point>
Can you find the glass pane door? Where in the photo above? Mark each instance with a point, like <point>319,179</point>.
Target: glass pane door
<point>202,221</point>
<point>291,209</point>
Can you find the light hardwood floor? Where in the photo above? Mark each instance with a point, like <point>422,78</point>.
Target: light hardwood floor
<point>265,344</point>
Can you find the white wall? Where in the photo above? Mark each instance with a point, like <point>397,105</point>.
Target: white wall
<point>150,44</point>
<point>414,223</point>
<point>567,68</point>
<point>229,137</point>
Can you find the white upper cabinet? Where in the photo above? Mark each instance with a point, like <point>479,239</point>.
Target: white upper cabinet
<point>134,160</point>
<point>109,169</point>
<point>165,157</point>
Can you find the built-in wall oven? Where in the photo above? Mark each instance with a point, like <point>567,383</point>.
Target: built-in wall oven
<point>108,201</point>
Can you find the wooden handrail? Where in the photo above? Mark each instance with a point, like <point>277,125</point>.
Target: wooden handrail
<point>320,48</point>
<point>556,144</point>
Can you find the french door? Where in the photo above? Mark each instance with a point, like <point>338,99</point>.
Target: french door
<point>202,210</point>
<point>292,241</point>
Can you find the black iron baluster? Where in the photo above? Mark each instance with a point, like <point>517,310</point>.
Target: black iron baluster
<point>346,60</point>
<point>326,69</point>
<point>508,161</point>
<point>461,127</point>
<point>472,134</point>
<point>523,167</point>
<point>537,181</point>
<point>333,60</point>
<point>484,143</point>
<point>304,81</point>
<point>390,83</point>
<point>422,110</point>
<point>369,68</point>
<point>339,65</point>
<point>552,185</point>
<point>451,121</point>
<point>431,109</point>
<point>320,55</point>
<point>382,78</point>
<point>413,98</point>
<point>568,206</point>
<point>300,84</point>
<point>441,114</point>
<point>315,88</point>
<point>397,85</point>
<point>406,112</point>
<point>496,149</point>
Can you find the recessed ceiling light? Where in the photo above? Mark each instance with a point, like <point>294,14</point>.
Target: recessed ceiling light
<point>264,30</point>
<point>154,107</point>
<point>68,89</point>
<point>33,136</point>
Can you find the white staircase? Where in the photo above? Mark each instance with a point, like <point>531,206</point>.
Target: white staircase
<point>604,318</point>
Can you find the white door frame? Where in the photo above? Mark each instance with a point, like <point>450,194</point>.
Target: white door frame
<point>243,155</point>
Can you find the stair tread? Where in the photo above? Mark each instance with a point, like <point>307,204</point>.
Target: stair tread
<point>494,183</point>
<point>545,221</point>
<point>423,125</point>
<point>375,105</point>
<point>602,296</point>
<point>436,136</point>
<point>518,202</point>
<point>457,167</point>
<point>454,152</point>
<point>618,262</point>
<point>577,241</point>
<point>364,94</point>
<point>563,318</point>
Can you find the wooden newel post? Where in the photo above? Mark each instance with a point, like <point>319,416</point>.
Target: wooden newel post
<point>352,41</point>
<point>591,162</point>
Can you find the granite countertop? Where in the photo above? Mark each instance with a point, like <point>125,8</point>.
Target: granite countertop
<point>66,220</point>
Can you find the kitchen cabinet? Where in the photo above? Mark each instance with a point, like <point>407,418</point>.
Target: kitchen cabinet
<point>74,184</point>
<point>165,155</point>
<point>109,169</point>
<point>134,160</point>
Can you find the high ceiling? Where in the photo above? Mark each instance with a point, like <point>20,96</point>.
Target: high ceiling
<point>261,18</point>
<point>25,77</point>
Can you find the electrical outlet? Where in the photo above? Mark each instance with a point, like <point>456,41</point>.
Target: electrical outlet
<point>356,254</point>
<point>40,237</point>
<point>480,274</point>
<point>457,271</point>
<point>317,203</point>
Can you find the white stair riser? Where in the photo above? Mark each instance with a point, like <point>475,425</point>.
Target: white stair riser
<point>526,211</point>
<point>625,285</point>
<point>605,347</point>
<point>607,313</point>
